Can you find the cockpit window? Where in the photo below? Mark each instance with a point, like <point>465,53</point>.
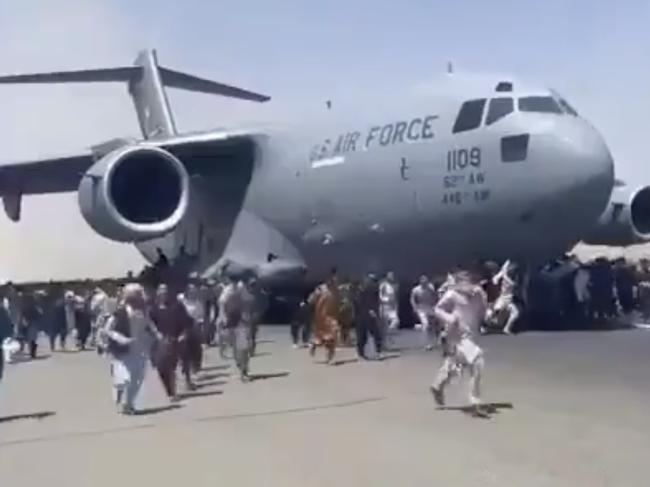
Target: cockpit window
<point>470,115</point>
<point>499,108</point>
<point>567,108</point>
<point>540,104</point>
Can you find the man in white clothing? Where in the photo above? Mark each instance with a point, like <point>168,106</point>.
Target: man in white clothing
<point>423,300</point>
<point>228,304</point>
<point>506,279</point>
<point>461,310</point>
<point>388,306</point>
<point>130,333</point>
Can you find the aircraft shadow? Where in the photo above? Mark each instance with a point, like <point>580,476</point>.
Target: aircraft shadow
<point>276,375</point>
<point>195,394</point>
<point>157,410</point>
<point>485,412</point>
<point>17,417</point>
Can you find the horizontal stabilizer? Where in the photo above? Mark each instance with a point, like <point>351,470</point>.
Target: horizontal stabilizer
<point>84,76</point>
<point>147,81</point>
<point>169,78</point>
<point>176,79</point>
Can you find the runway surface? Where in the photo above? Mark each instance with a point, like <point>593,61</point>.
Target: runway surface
<point>579,416</point>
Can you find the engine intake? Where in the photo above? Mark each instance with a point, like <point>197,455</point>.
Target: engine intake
<point>134,194</point>
<point>626,221</point>
<point>640,213</point>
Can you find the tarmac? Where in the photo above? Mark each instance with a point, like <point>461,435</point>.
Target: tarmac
<point>569,409</point>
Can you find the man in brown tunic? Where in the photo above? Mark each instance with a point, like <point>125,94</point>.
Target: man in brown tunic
<point>326,304</point>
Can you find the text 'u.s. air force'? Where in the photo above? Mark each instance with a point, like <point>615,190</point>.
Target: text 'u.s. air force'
<point>414,130</point>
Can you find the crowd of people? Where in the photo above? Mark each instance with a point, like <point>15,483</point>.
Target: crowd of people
<point>131,324</point>
<point>171,324</point>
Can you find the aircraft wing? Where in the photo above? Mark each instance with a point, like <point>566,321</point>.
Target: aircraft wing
<point>63,174</point>
<point>56,175</point>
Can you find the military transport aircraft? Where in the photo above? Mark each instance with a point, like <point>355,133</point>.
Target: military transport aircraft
<point>478,167</point>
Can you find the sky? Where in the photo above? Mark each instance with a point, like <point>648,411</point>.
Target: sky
<point>301,53</point>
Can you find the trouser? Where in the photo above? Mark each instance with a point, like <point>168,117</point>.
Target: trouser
<point>166,363</point>
<point>367,324</point>
<point>389,320</point>
<point>83,332</point>
<point>241,339</point>
<point>329,344</point>
<point>125,393</point>
<point>452,365</point>
<point>430,329</point>
<point>209,332</point>
<point>94,329</point>
<point>346,325</point>
<point>33,348</point>
<point>223,336</point>
<point>254,328</point>
<point>513,316</point>
<point>2,361</point>
<point>296,327</point>
<point>61,334</point>
<point>134,384</point>
<point>191,355</point>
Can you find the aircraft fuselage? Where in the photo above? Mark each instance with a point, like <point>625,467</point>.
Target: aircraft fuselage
<point>408,186</point>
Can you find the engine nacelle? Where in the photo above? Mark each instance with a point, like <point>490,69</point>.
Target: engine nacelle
<point>134,194</point>
<point>626,220</point>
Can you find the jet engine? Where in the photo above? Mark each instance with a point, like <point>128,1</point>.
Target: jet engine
<point>134,193</point>
<point>626,220</point>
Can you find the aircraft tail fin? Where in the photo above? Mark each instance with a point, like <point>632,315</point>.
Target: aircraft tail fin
<point>146,81</point>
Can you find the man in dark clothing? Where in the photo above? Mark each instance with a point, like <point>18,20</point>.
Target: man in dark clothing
<point>300,321</point>
<point>602,289</point>
<point>367,310</point>
<point>83,323</point>
<point>174,324</point>
<point>58,327</point>
<point>32,316</point>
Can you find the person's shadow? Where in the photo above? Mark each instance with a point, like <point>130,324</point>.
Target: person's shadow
<point>276,375</point>
<point>215,367</point>
<point>195,394</point>
<point>17,417</point>
<point>25,359</point>
<point>156,410</point>
<point>484,411</point>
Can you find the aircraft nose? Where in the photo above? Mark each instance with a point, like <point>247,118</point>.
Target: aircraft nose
<point>588,152</point>
<point>587,167</point>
